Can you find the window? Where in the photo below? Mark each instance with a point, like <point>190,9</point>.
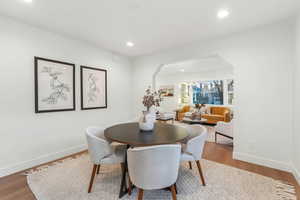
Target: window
<point>215,92</point>
<point>184,93</point>
<point>208,92</point>
<point>230,83</point>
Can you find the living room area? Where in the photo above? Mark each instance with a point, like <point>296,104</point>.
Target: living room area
<point>199,91</point>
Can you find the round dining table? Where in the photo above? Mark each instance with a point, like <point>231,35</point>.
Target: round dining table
<point>131,135</point>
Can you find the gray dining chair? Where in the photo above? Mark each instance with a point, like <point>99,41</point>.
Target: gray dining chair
<point>154,167</point>
<point>193,148</point>
<point>101,152</point>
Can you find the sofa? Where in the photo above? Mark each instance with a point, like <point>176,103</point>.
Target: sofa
<point>181,112</point>
<point>216,114</point>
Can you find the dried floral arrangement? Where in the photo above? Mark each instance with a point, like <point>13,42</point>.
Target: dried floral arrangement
<point>152,98</point>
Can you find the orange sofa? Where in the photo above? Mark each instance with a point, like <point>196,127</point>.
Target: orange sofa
<point>217,114</point>
<point>182,112</point>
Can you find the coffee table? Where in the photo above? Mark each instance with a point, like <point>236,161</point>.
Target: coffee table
<point>197,121</point>
<point>165,120</point>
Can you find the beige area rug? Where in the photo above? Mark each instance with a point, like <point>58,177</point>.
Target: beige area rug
<point>68,180</point>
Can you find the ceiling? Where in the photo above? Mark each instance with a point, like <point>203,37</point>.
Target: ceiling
<point>211,63</point>
<point>151,24</point>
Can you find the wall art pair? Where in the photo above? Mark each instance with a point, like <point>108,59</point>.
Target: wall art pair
<point>55,86</point>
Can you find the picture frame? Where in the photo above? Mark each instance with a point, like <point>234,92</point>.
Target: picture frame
<point>93,88</point>
<point>167,90</point>
<point>54,85</point>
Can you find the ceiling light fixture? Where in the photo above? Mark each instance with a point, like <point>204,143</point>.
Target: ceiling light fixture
<point>129,44</point>
<point>28,1</point>
<point>223,13</point>
<point>182,70</point>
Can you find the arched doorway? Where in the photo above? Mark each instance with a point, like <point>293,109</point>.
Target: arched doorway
<point>207,80</point>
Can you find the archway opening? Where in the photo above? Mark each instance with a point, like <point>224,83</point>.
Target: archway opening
<point>189,83</point>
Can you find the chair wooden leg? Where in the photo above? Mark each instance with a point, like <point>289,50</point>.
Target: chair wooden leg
<point>141,193</point>
<point>173,190</point>
<point>190,164</point>
<point>92,178</point>
<point>98,169</point>
<point>200,172</point>
<point>215,137</point>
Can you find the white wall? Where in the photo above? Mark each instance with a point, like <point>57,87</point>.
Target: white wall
<point>296,131</point>
<point>28,139</point>
<point>189,77</point>
<point>171,103</point>
<point>262,60</point>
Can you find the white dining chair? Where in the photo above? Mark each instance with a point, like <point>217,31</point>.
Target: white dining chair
<point>193,149</point>
<point>101,152</point>
<point>154,167</point>
<point>224,129</point>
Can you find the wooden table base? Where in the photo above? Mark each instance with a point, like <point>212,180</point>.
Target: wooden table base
<point>123,186</point>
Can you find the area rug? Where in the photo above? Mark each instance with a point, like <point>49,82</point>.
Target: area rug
<point>69,179</point>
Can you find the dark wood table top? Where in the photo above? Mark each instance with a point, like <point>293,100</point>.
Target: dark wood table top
<point>130,134</point>
<point>165,119</point>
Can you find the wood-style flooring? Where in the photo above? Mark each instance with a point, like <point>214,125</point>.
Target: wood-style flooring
<point>14,187</point>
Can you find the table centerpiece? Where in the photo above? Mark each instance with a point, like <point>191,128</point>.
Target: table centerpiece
<point>151,100</point>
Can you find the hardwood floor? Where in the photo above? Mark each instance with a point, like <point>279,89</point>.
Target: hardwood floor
<point>223,154</point>
<point>14,187</point>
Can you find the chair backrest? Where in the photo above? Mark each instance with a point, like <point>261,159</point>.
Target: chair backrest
<point>197,137</point>
<point>225,128</point>
<point>154,167</point>
<point>219,110</point>
<point>98,146</point>
<point>185,109</point>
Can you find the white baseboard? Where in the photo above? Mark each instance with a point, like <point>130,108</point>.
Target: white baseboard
<point>40,160</point>
<point>263,161</point>
<point>296,174</point>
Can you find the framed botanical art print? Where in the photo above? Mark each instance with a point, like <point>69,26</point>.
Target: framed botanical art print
<point>54,85</point>
<point>93,88</point>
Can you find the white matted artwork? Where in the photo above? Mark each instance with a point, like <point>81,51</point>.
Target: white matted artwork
<point>93,88</point>
<point>167,90</point>
<point>54,85</point>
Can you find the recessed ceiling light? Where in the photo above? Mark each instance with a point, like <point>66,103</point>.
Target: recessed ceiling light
<point>182,70</point>
<point>28,1</point>
<point>130,44</point>
<point>223,13</point>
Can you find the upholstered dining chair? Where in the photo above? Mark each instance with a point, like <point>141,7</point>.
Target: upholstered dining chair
<point>193,148</point>
<point>224,129</point>
<point>101,152</point>
<point>154,167</point>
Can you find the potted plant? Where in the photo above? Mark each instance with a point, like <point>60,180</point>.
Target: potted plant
<point>151,100</point>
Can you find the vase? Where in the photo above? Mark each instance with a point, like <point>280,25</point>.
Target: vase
<point>146,122</point>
